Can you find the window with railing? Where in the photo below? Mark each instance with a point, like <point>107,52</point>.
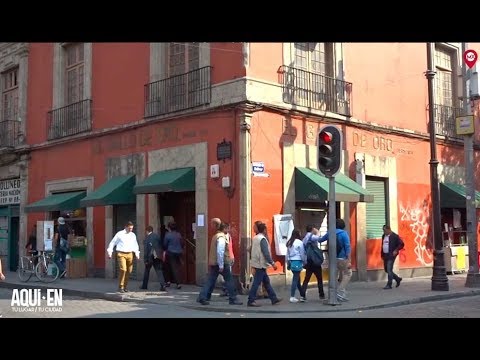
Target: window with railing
<point>10,95</point>
<point>9,133</point>
<point>179,92</point>
<point>74,69</point>
<point>309,80</point>
<point>69,120</point>
<point>446,107</point>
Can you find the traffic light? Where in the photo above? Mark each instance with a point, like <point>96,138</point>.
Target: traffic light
<point>329,150</point>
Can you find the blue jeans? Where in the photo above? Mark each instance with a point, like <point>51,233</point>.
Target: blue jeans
<point>295,283</point>
<point>60,258</point>
<point>213,272</point>
<point>388,267</point>
<point>259,277</point>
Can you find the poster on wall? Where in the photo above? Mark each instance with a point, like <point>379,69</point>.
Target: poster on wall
<point>45,235</point>
<point>283,228</point>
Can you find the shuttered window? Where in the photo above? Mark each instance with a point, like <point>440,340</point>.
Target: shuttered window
<point>377,212</point>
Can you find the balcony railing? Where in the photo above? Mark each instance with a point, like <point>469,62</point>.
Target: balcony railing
<point>69,120</point>
<point>179,92</point>
<point>9,133</point>
<point>445,120</point>
<point>315,91</point>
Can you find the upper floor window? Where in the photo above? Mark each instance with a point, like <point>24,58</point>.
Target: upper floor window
<point>314,57</point>
<point>10,95</point>
<point>74,68</point>
<point>182,58</point>
<point>444,79</point>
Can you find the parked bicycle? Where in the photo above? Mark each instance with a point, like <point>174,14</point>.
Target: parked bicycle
<point>41,264</point>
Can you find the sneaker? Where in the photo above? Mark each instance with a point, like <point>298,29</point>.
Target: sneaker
<point>62,275</point>
<point>303,299</point>
<point>254,304</point>
<point>293,300</point>
<point>387,287</point>
<point>121,290</point>
<point>341,297</point>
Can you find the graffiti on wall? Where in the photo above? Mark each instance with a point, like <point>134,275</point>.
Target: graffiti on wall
<point>414,221</point>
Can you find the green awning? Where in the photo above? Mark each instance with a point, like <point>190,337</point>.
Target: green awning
<point>116,191</point>
<point>168,180</point>
<point>312,186</point>
<point>453,196</point>
<point>57,202</point>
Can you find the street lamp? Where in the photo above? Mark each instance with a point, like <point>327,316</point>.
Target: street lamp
<point>439,277</point>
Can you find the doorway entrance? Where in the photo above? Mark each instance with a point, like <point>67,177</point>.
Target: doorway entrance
<point>181,207</point>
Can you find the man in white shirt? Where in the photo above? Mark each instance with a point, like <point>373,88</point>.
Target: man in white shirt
<point>126,243</point>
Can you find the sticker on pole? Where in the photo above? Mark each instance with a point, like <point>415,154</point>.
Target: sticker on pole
<point>470,57</point>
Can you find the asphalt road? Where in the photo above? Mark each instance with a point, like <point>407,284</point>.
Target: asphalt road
<point>75,307</point>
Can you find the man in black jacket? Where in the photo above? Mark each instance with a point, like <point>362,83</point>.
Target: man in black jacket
<point>154,253</point>
<point>391,245</point>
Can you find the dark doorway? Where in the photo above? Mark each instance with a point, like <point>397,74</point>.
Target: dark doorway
<point>181,206</point>
<point>121,215</point>
<point>14,242</point>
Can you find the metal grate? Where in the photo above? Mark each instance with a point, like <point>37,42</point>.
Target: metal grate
<point>9,133</point>
<point>445,120</point>
<point>69,120</point>
<point>179,92</point>
<point>315,91</point>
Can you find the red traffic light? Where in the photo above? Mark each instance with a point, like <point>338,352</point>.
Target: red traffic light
<point>326,136</point>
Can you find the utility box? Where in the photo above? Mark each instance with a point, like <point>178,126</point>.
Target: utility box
<point>45,235</point>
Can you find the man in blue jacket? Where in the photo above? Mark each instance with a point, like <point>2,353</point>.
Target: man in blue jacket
<point>344,264</point>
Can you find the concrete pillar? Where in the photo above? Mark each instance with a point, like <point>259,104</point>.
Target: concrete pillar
<point>245,229</point>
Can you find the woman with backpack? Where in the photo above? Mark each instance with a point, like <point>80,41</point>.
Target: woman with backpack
<point>295,260</point>
<point>313,263</point>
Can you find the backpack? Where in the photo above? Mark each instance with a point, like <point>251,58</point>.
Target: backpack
<point>314,254</point>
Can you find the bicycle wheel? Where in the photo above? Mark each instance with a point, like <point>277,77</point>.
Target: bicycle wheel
<point>47,271</point>
<point>25,269</point>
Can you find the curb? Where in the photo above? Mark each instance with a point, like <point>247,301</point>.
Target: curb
<point>424,299</point>
<point>243,309</point>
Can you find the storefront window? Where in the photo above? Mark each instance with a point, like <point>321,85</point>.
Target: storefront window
<point>75,219</point>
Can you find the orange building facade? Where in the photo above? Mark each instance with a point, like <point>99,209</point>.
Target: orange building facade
<point>151,132</point>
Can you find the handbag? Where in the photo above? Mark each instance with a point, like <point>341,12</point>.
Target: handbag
<point>296,265</point>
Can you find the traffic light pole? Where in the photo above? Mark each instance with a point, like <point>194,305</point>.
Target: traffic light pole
<point>332,244</point>
<point>473,277</point>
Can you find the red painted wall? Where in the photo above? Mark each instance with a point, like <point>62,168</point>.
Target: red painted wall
<point>87,158</point>
<point>227,61</point>
<point>120,72</point>
<point>39,90</point>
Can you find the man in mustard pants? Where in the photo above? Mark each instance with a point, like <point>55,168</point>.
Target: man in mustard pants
<point>126,242</point>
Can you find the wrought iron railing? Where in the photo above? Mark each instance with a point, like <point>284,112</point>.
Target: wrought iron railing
<point>9,133</point>
<point>315,91</point>
<point>445,120</point>
<point>69,120</point>
<point>179,92</point>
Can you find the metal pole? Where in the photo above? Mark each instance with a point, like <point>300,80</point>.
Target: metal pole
<point>473,278</point>
<point>332,244</point>
<point>439,277</point>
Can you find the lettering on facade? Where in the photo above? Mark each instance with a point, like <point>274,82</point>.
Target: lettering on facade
<point>10,191</point>
<point>378,142</point>
<point>146,137</point>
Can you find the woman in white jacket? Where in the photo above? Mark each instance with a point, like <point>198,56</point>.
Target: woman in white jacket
<point>296,258</point>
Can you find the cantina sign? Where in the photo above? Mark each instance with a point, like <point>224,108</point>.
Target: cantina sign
<point>9,192</point>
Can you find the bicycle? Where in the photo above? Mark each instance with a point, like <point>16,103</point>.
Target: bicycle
<point>45,270</point>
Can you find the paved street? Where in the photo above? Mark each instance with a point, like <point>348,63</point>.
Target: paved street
<point>466,307</point>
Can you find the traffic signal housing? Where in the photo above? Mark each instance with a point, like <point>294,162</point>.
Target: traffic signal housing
<point>329,146</point>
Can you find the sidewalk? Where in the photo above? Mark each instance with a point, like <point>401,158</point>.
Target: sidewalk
<point>363,295</point>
